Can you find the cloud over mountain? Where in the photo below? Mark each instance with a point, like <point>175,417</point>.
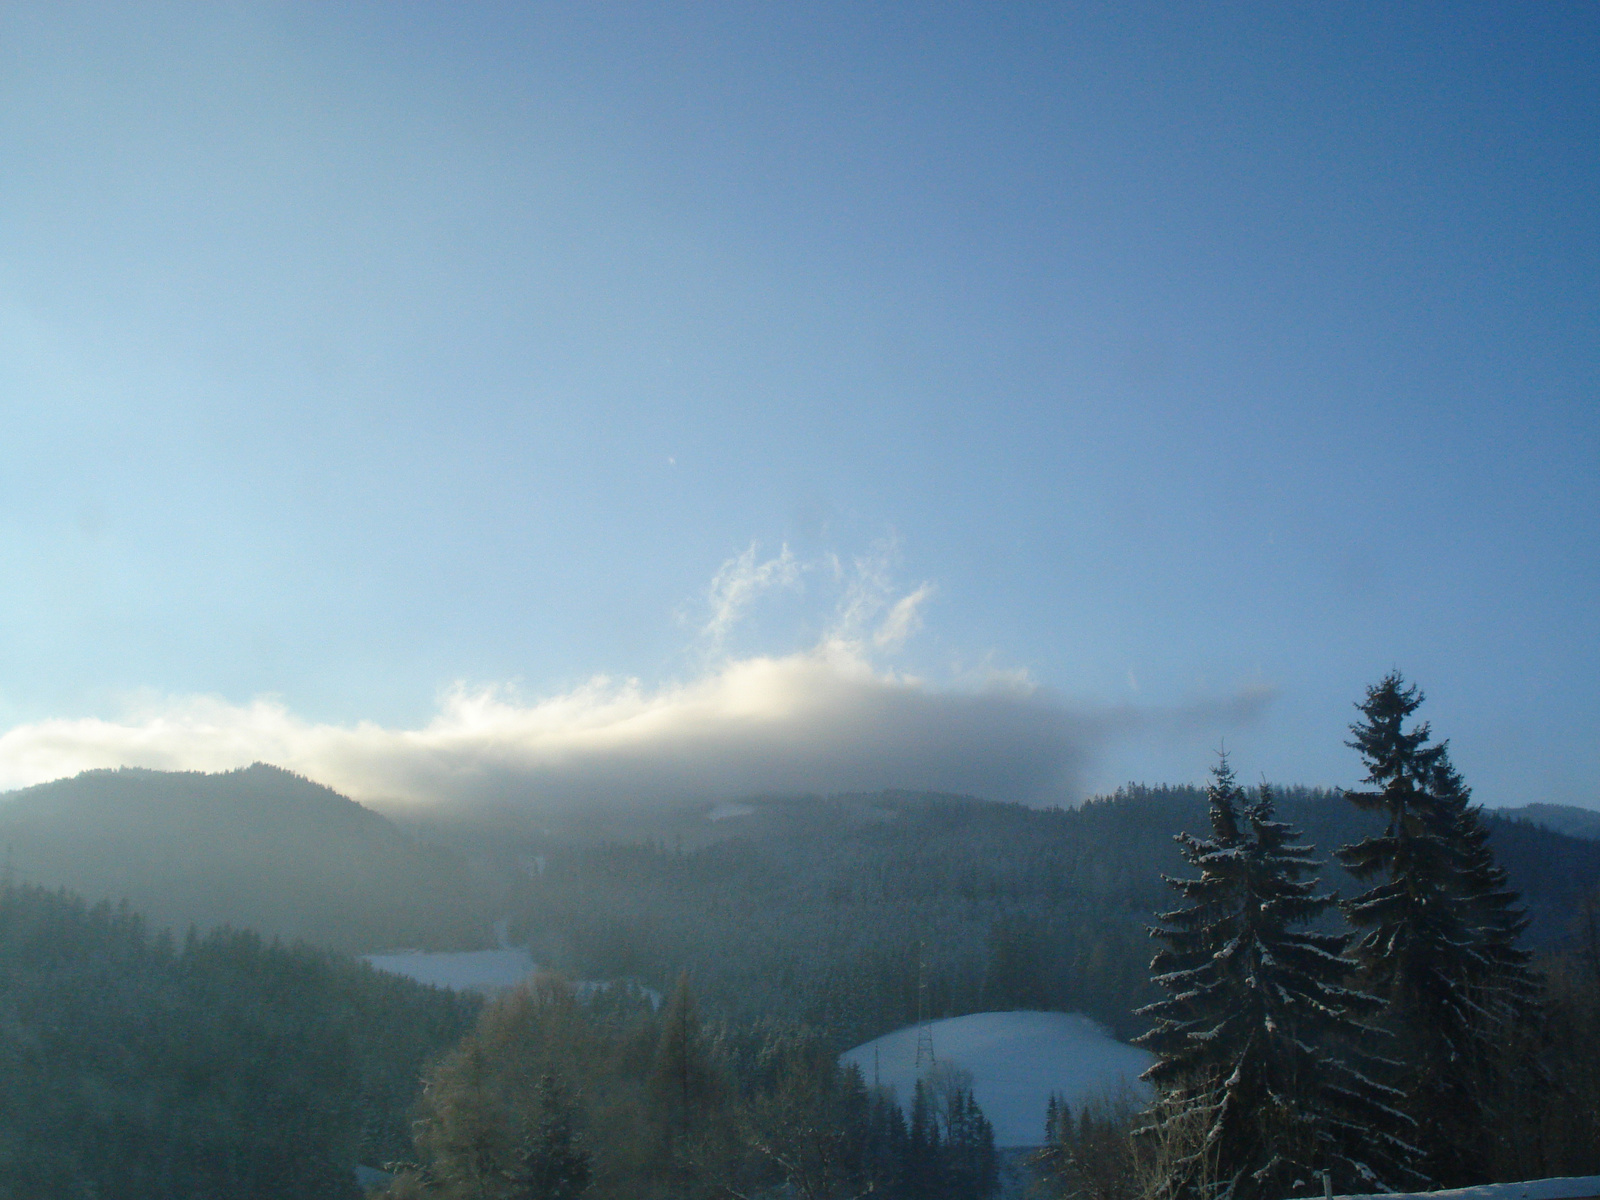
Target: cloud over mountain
<point>826,719</point>
<point>822,721</point>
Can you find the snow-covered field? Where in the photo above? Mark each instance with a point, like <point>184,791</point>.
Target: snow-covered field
<point>486,971</point>
<point>1016,1060</point>
<point>1576,1187</point>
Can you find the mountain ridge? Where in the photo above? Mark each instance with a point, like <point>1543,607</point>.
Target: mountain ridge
<point>1568,819</point>
<point>259,847</point>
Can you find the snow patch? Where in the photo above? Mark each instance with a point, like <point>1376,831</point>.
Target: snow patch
<point>1572,1187</point>
<point>729,811</point>
<point>485,971</point>
<point>1016,1060</point>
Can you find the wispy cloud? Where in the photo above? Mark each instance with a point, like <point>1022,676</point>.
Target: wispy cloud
<point>904,619</point>
<point>740,582</point>
<point>870,612</point>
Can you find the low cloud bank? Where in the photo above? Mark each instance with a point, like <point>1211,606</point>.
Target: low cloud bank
<point>824,721</point>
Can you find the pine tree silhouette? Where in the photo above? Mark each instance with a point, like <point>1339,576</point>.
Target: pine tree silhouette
<point>1439,931</point>
<point>1265,1066</point>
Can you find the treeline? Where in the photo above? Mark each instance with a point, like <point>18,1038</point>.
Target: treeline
<point>552,1097</point>
<point>822,913</point>
<point>137,1066</point>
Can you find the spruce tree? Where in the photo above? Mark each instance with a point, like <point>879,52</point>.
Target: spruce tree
<point>1502,985</point>
<point>684,1085</point>
<point>552,1163</point>
<point>688,1095</point>
<point>920,1173</point>
<point>1265,1065</point>
<point>971,1169</point>
<point>1439,932</point>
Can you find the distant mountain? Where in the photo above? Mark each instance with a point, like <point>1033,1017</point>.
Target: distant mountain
<point>258,848</point>
<point>1563,818</point>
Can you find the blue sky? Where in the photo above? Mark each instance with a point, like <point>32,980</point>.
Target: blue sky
<point>1191,366</point>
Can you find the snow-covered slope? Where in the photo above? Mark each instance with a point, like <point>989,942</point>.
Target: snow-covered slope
<point>1576,1187</point>
<point>1016,1059</point>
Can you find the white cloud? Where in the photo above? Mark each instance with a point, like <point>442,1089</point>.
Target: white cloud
<point>823,721</point>
<point>829,719</point>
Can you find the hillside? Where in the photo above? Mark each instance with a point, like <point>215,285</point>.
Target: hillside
<point>801,909</point>
<point>145,1069</point>
<point>819,910</point>
<point>1563,818</point>
<point>258,848</point>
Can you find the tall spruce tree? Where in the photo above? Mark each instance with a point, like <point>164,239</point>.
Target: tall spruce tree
<point>1439,932</point>
<point>1502,985</point>
<point>1265,1065</point>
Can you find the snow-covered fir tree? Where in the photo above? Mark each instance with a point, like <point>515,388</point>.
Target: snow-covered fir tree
<point>1265,1070</point>
<point>1439,931</point>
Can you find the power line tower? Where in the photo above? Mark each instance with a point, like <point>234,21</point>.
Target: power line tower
<point>924,1030</point>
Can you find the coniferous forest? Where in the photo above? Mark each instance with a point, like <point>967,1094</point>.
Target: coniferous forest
<point>141,1066</point>
<point>1387,985</point>
<point>1417,1047</point>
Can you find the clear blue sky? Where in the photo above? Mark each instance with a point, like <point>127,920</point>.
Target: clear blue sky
<point>349,352</point>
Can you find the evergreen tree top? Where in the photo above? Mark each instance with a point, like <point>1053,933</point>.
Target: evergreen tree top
<point>1399,762</point>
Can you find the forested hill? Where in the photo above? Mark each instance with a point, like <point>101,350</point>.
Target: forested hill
<point>821,909</point>
<point>807,909</point>
<point>1563,818</point>
<point>135,1066</point>
<point>258,848</point>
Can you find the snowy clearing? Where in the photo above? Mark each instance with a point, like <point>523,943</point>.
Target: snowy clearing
<point>1016,1060</point>
<point>486,971</point>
